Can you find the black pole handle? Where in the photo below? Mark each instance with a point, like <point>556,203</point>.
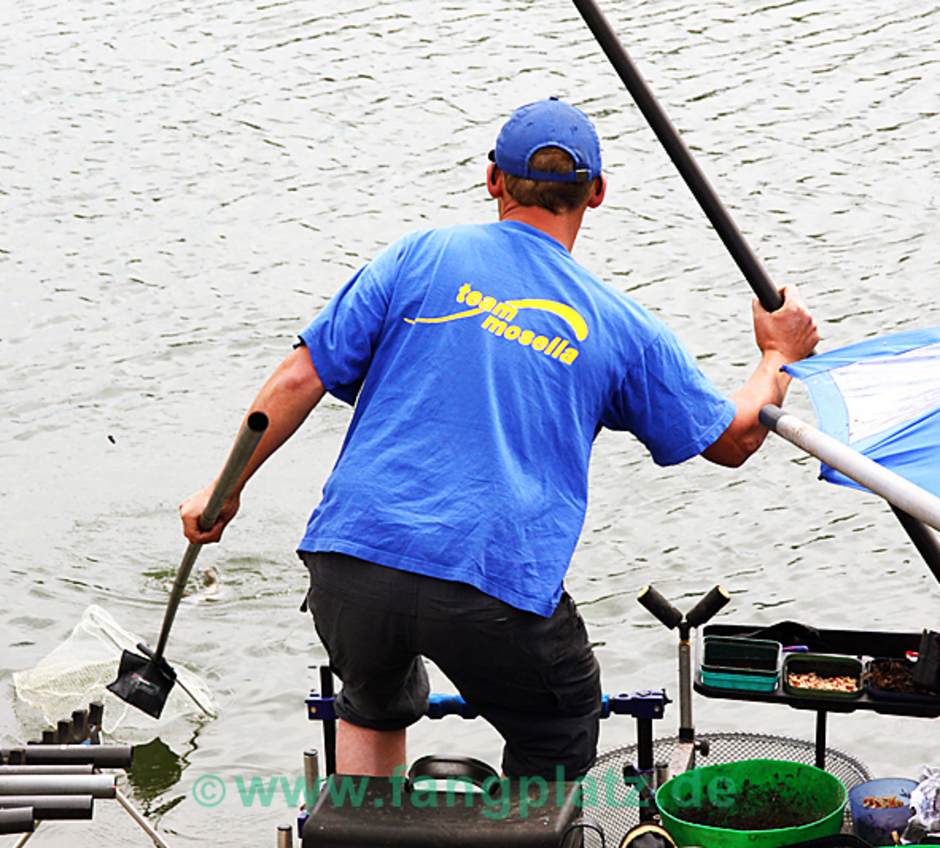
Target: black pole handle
<point>752,268</point>
<point>659,607</point>
<point>707,607</point>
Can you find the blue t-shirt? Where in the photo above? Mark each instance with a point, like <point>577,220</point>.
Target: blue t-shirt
<point>483,361</point>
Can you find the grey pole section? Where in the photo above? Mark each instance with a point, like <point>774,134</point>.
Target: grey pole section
<point>100,756</point>
<point>897,491</point>
<point>142,823</point>
<point>17,821</point>
<point>51,806</point>
<point>81,768</point>
<point>96,785</point>
<point>284,836</point>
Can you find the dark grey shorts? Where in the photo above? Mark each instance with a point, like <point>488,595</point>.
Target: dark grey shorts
<point>534,679</point>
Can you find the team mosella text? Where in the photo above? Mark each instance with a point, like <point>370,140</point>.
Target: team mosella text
<point>501,315</point>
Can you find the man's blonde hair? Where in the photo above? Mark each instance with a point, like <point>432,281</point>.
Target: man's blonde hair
<point>555,197</point>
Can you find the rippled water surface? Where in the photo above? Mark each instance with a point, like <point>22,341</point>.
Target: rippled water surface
<point>182,185</point>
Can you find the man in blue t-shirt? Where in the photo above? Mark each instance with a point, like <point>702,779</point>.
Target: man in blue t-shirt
<point>482,361</point>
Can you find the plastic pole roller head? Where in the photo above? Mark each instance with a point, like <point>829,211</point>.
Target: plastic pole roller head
<point>659,607</point>
<point>708,606</point>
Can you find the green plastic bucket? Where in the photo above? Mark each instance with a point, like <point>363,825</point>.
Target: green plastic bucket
<point>710,806</point>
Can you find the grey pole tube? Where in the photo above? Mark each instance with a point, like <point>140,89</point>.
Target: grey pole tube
<point>80,768</point>
<point>900,493</point>
<point>100,756</point>
<point>245,444</point>
<point>52,806</point>
<point>17,821</point>
<point>96,785</point>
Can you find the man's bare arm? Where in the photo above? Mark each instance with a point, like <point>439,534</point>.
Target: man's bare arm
<point>287,398</point>
<point>784,336</point>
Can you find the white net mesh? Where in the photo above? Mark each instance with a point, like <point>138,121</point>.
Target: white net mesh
<point>78,670</point>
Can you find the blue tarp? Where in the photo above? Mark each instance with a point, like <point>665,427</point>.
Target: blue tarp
<point>881,397</point>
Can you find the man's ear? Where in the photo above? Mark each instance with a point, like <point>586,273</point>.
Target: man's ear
<point>600,190</point>
<point>494,180</point>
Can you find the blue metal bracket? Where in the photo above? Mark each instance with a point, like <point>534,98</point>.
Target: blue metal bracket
<point>644,704</point>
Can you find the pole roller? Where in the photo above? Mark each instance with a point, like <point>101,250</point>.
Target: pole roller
<point>707,607</point>
<point>653,601</point>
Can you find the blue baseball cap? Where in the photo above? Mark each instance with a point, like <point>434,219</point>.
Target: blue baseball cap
<point>548,123</point>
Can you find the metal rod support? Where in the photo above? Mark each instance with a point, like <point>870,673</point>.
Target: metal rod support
<point>26,837</point>
<point>686,727</point>
<point>821,739</point>
<point>329,726</point>
<point>644,762</point>
<point>142,823</point>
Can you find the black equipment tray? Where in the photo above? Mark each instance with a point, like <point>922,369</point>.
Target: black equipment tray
<point>853,643</point>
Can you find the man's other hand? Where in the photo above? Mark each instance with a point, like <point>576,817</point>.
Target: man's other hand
<point>790,331</point>
<point>194,506</point>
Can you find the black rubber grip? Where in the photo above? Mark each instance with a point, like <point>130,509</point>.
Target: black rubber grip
<point>659,606</point>
<point>707,607</point>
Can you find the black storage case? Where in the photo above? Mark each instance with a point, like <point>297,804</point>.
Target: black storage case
<point>388,815</point>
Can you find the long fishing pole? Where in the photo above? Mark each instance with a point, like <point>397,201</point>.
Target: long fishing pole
<point>751,267</point>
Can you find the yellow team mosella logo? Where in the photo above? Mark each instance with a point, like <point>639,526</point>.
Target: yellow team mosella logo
<point>501,315</point>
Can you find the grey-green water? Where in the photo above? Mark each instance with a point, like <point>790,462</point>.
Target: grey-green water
<point>183,185</point>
